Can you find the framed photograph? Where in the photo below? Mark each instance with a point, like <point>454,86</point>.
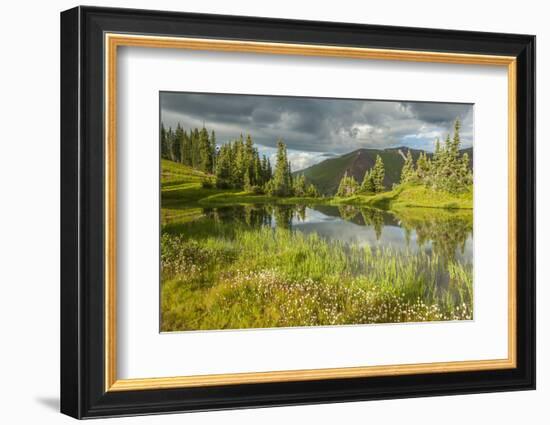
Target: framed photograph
<point>261,212</point>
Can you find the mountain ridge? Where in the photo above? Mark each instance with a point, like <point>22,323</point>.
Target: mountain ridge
<point>326,175</point>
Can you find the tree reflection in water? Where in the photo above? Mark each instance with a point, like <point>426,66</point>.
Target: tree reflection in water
<point>447,230</point>
<point>444,232</point>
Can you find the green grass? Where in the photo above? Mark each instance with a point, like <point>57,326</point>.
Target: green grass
<point>187,194</point>
<point>181,186</point>
<point>243,198</point>
<point>256,278</point>
<point>419,196</point>
<point>174,174</point>
<point>411,196</point>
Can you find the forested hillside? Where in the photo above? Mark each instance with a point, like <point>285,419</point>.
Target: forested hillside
<point>326,175</point>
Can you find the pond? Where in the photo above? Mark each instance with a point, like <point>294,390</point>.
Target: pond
<point>273,265</point>
<point>447,233</point>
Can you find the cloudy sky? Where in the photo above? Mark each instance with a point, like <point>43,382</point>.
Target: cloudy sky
<point>316,128</point>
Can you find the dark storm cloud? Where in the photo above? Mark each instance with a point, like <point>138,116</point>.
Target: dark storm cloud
<point>437,113</point>
<point>314,128</point>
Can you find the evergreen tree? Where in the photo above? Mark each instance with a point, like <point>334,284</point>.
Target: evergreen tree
<point>437,155</point>
<point>423,166</point>
<point>466,175</point>
<point>237,164</point>
<point>437,149</point>
<point>289,173</point>
<point>247,185</point>
<point>195,152</point>
<point>300,188</point>
<point>408,171</point>
<point>205,152</point>
<point>368,184</point>
<point>186,150</point>
<point>378,175</point>
<point>348,186</point>
<point>455,145</point>
<point>449,176</point>
<point>312,191</point>
<point>170,142</point>
<point>447,171</point>
<point>265,170</point>
<point>249,159</point>
<point>257,177</point>
<point>240,163</point>
<point>444,170</point>
<point>213,150</point>
<point>280,184</point>
<point>164,148</point>
<point>269,171</point>
<point>223,168</point>
<point>177,145</point>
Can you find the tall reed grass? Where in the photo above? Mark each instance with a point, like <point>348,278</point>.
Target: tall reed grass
<point>257,278</point>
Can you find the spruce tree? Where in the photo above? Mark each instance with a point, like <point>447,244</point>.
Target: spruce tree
<point>186,149</point>
<point>269,171</point>
<point>437,149</point>
<point>223,168</point>
<point>265,170</point>
<point>448,171</point>
<point>348,186</point>
<point>342,187</point>
<point>257,179</point>
<point>178,144</point>
<point>290,176</point>
<point>213,150</point>
<point>163,142</point>
<point>205,152</point>
<point>408,172</point>
<point>195,152</point>
<point>368,184</point>
<point>445,166</point>
<point>312,191</point>
<point>247,186</point>
<point>249,158</point>
<point>455,145</point>
<point>281,183</point>
<point>170,142</point>
<point>378,175</point>
<point>240,163</point>
<point>436,163</point>
<point>423,166</point>
<point>300,187</point>
<point>466,175</point>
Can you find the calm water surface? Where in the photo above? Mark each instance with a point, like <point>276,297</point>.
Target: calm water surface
<point>446,233</point>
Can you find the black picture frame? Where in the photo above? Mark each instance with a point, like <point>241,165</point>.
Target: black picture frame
<point>83,392</point>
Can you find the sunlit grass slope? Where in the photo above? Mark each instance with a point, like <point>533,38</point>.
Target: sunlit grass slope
<point>411,196</point>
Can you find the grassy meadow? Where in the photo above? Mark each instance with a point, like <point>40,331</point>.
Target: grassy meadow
<point>411,196</point>
<point>245,272</point>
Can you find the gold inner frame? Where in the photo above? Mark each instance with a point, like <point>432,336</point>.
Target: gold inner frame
<point>113,41</point>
